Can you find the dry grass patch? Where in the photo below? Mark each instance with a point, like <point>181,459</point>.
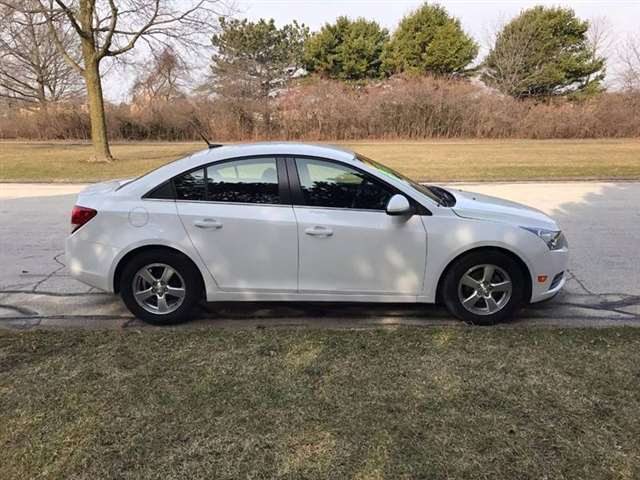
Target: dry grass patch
<point>470,160</point>
<point>409,403</point>
<point>486,160</point>
<point>67,162</point>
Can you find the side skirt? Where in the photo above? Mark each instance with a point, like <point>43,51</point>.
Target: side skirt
<point>310,297</point>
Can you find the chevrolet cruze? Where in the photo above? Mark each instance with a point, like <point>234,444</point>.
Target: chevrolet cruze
<point>297,222</point>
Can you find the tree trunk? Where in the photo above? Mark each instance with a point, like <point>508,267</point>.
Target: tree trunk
<point>101,151</point>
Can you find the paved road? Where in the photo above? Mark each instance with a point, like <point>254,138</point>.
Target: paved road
<point>602,222</point>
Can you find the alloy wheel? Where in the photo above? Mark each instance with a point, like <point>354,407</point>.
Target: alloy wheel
<point>485,289</point>
<point>158,288</point>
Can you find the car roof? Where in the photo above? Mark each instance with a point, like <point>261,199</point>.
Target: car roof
<point>226,152</point>
<point>279,148</point>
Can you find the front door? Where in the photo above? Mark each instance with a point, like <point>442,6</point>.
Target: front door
<point>237,219</point>
<point>347,242</point>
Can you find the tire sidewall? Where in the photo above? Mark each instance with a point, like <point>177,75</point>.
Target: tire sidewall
<point>462,265</point>
<point>182,265</point>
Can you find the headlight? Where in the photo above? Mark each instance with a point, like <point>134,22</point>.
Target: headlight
<point>554,239</point>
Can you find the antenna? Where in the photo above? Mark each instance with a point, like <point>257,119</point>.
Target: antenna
<point>196,124</point>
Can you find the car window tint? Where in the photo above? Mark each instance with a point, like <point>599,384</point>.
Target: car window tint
<point>162,192</point>
<point>190,186</point>
<point>328,184</point>
<point>252,180</point>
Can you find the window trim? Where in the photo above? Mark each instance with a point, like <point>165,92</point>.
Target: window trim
<point>284,191</point>
<point>298,197</point>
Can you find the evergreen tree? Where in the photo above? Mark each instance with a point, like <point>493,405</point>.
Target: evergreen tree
<point>544,52</point>
<point>347,50</point>
<point>430,41</point>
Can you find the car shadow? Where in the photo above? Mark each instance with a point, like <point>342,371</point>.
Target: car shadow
<point>239,310</point>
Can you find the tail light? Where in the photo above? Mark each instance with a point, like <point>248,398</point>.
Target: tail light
<point>80,216</point>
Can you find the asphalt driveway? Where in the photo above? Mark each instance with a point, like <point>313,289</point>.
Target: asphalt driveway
<point>602,222</point>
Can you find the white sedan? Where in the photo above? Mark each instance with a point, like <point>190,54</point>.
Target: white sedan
<point>297,222</point>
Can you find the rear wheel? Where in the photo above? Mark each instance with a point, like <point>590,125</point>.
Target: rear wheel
<point>160,287</point>
<point>484,287</point>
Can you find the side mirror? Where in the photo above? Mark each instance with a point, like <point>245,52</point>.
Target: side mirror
<point>399,205</point>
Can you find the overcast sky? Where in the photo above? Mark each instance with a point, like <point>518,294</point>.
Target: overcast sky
<point>478,17</point>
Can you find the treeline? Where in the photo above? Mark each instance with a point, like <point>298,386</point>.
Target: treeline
<point>411,108</point>
<point>542,78</point>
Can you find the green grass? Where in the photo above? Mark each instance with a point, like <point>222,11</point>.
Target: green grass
<point>407,403</point>
<point>454,160</point>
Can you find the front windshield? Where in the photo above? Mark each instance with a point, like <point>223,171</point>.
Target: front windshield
<point>389,172</point>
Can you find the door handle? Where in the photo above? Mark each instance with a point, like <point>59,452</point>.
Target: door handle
<point>318,231</point>
<point>208,223</point>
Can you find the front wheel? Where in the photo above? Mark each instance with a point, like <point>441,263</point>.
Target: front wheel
<point>160,287</point>
<point>484,287</point>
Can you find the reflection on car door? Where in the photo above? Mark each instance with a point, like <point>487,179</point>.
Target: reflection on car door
<point>347,242</point>
<point>242,227</point>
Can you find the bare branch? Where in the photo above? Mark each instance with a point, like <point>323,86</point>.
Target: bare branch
<point>31,68</point>
<point>629,56</point>
<point>62,49</point>
<point>111,29</point>
<point>138,34</point>
<point>70,17</point>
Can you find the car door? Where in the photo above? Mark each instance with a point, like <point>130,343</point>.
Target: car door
<point>347,242</point>
<point>239,218</point>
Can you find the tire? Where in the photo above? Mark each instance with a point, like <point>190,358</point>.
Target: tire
<point>488,301</point>
<point>177,306</point>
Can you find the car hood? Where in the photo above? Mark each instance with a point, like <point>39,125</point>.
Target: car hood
<point>484,207</point>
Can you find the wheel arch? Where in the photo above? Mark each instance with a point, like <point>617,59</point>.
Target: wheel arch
<point>117,274</point>
<point>523,266</point>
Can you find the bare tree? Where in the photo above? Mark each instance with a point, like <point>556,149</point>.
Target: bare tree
<point>111,28</point>
<point>630,60</point>
<point>165,79</point>
<point>509,62</point>
<point>600,38</point>
<point>32,71</point>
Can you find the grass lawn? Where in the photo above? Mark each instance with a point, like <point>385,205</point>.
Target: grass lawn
<point>453,160</point>
<point>432,403</point>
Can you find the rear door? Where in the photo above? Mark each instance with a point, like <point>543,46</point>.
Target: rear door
<point>239,218</point>
<point>348,244</point>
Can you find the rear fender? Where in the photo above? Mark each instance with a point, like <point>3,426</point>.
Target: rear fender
<point>209,282</point>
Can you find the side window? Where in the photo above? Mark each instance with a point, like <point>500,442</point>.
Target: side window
<point>253,180</point>
<point>190,186</point>
<point>328,184</point>
<point>162,192</point>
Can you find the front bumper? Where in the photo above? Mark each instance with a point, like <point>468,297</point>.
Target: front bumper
<point>550,265</point>
<point>90,262</point>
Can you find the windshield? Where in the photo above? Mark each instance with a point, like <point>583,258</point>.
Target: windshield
<point>389,172</point>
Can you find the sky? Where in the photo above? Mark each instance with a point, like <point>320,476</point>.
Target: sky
<point>478,18</point>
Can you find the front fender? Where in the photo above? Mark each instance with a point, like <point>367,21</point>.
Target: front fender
<point>448,237</point>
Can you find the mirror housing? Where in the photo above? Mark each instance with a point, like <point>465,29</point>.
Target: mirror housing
<point>399,205</point>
